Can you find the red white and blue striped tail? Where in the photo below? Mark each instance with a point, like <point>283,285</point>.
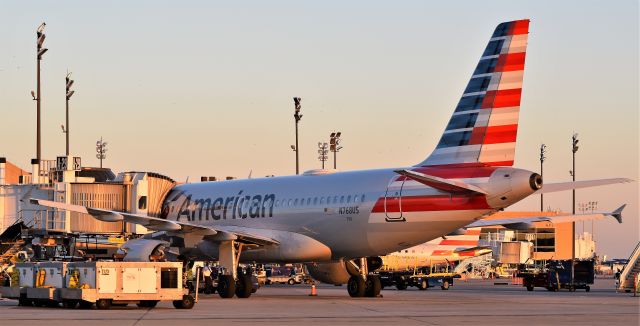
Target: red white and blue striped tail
<point>483,128</point>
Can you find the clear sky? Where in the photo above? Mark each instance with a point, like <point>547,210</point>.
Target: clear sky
<point>192,88</point>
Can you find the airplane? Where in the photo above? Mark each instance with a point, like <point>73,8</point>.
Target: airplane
<point>449,249</point>
<point>340,223</point>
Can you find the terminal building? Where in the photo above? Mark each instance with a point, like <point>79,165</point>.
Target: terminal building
<point>53,232</point>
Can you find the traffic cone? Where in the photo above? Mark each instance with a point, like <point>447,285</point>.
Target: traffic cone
<point>313,291</point>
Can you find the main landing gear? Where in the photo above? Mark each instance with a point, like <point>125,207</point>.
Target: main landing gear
<point>230,282</point>
<point>364,284</point>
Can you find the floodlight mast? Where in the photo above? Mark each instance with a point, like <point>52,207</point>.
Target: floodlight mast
<point>574,149</point>
<point>40,37</point>
<point>68,94</point>
<point>334,146</point>
<point>543,150</point>
<point>297,116</point>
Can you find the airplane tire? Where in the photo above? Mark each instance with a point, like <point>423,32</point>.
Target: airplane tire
<point>226,286</point>
<point>423,285</point>
<point>373,285</point>
<point>401,285</point>
<point>244,287</point>
<point>445,285</point>
<point>356,287</point>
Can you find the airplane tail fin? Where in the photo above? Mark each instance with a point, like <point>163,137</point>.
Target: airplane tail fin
<point>483,128</point>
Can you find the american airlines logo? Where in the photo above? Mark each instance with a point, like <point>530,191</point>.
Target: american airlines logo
<point>240,206</point>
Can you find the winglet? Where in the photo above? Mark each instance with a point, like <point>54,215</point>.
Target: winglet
<point>617,214</point>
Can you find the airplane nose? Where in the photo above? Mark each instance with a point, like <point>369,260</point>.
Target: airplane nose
<point>535,181</point>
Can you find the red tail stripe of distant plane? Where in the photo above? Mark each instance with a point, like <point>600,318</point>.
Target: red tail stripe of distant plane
<point>453,242</point>
<point>431,203</point>
<point>450,252</point>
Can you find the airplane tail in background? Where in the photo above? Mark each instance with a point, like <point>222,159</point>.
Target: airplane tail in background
<point>483,128</point>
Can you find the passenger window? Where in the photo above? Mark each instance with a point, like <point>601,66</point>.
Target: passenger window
<point>341,199</point>
<point>362,199</point>
<point>355,199</point>
<point>329,200</point>
<point>335,199</point>
<point>295,202</point>
<point>321,200</point>
<point>308,201</point>
<point>348,198</point>
<point>277,203</point>
<point>315,200</point>
<point>289,203</point>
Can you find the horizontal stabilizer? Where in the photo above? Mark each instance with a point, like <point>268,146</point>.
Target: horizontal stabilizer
<point>519,223</point>
<point>445,185</point>
<point>562,186</point>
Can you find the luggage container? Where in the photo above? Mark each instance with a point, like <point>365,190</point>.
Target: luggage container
<point>49,280</point>
<point>107,283</point>
<point>26,277</point>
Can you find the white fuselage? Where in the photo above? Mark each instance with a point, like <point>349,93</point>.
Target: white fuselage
<point>353,214</point>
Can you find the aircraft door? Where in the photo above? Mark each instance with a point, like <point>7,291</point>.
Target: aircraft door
<point>393,201</point>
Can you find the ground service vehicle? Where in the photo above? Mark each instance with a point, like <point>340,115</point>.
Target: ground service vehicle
<point>556,275</point>
<point>101,283</point>
<point>422,278</point>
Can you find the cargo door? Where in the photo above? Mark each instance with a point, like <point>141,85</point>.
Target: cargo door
<point>393,200</point>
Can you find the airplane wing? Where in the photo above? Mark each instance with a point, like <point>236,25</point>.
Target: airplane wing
<point>527,222</point>
<point>561,186</point>
<point>217,233</point>
<point>447,185</point>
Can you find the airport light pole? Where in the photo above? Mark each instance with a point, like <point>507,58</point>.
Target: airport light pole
<point>40,51</point>
<point>334,146</point>
<point>574,149</point>
<point>543,150</point>
<point>322,150</point>
<point>101,149</point>
<point>68,95</point>
<point>297,116</point>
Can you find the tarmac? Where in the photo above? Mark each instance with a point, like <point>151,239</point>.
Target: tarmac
<point>474,303</point>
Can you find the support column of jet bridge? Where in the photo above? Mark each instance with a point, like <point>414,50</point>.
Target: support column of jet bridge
<point>3,182</point>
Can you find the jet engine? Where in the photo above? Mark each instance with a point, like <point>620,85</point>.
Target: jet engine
<point>339,272</point>
<point>144,250</point>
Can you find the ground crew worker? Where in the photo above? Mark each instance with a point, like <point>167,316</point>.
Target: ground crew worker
<point>208,282</point>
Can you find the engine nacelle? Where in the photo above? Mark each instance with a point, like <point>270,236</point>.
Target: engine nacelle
<point>143,249</point>
<point>331,273</point>
<point>339,272</point>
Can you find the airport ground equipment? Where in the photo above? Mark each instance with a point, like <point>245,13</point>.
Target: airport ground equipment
<point>143,283</point>
<point>629,275</point>
<point>422,278</point>
<point>101,283</point>
<point>556,275</point>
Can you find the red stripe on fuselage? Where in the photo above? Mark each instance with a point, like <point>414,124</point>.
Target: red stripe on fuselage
<point>432,203</point>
